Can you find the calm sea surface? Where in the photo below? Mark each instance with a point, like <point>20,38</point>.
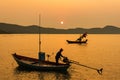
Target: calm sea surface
<point>101,51</point>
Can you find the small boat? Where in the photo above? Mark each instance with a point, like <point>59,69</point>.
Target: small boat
<point>80,42</point>
<point>36,64</point>
<point>80,39</point>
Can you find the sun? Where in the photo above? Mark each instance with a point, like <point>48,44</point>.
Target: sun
<point>61,22</point>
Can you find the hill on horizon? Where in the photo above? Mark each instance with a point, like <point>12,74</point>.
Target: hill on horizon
<point>6,28</point>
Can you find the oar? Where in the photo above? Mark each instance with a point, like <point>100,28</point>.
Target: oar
<point>77,63</point>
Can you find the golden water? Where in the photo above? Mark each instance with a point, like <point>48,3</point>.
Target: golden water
<point>101,51</point>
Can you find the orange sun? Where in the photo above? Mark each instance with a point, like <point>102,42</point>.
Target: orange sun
<point>62,22</point>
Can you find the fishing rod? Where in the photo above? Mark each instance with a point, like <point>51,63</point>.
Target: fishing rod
<point>77,63</point>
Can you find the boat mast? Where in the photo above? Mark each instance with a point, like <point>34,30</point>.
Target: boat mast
<point>41,56</point>
<point>39,33</point>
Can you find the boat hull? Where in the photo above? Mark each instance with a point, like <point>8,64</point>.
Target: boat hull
<point>79,42</point>
<point>34,64</point>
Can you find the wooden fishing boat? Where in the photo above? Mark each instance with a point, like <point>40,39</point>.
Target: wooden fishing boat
<point>40,63</point>
<point>35,64</point>
<point>79,42</point>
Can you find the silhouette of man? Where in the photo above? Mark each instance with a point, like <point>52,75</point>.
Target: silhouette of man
<point>58,55</point>
<point>85,34</point>
<point>81,37</point>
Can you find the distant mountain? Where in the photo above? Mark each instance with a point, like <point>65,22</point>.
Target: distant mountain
<point>33,29</point>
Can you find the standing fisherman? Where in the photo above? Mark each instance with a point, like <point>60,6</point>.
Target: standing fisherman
<point>58,55</point>
<point>81,37</point>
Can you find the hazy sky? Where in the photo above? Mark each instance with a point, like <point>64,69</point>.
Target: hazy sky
<point>73,13</point>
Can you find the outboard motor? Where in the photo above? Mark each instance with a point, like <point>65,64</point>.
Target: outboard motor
<point>66,60</point>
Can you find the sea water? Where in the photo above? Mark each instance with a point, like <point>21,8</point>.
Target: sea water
<point>101,51</point>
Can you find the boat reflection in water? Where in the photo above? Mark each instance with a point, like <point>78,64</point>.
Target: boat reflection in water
<point>24,74</point>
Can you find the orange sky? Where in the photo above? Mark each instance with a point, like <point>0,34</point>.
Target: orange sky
<point>74,13</point>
